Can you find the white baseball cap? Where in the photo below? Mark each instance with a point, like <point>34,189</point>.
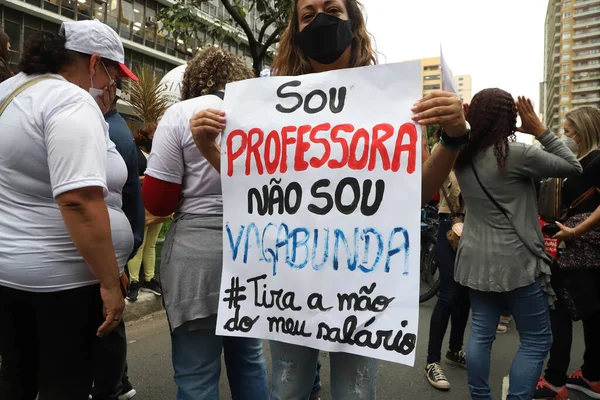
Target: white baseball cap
<point>94,37</point>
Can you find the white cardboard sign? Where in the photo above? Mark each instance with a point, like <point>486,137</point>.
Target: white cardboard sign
<point>321,179</point>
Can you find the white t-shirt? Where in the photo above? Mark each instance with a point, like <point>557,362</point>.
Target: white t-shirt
<point>175,158</point>
<point>54,140</point>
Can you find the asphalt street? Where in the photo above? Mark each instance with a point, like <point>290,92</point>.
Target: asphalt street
<point>151,369</point>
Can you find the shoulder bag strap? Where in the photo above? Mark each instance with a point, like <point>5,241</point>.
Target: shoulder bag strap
<point>489,196</point>
<point>20,89</point>
<point>447,198</point>
<point>583,198</point>
<point>501,209</point>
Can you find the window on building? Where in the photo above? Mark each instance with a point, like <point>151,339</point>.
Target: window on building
<point>431,78</point>
<point>565,57</point>
<point>564,99</point>
<point>67,8</point>
<point>32,26</point>
<point>564,88</point>
<point>127,19</point>
<point>51,27</point>
<point>100,11</point>
<point>564,109</point>
<point>37,3</point>
<point>112,14</point>
<point>431,87</point>
<point>565,67</point>
<point>566,25</point>
<point>566,46</point>
<point>567,14</point>
<point>566,4</point>
<point>52,5</point>
<point>84,9</point>
<point>138,21</point>
<point>565,78</point>
<point>431,68</point>
<point>12,27</point>
<point>566,36</point>
<point>150,30</point>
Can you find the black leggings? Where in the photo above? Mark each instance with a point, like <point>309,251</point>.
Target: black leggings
<point>46,343</point>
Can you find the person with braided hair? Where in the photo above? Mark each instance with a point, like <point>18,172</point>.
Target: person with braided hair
<point>501,257</point>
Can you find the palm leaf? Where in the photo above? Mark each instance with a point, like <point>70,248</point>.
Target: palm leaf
<point>147,96</point>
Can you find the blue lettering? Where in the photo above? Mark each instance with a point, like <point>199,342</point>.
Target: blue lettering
<point>252,228</point>
<point>295,244</point>
<point>315,266</point>
<point>340,237</point>
<point>404,246</point>
<point>234,247</point>
<point>366,238</point>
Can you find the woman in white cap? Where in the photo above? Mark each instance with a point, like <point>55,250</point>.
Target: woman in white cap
<point>61,242</point>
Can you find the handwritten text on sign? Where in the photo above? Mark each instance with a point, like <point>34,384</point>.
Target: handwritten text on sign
<point>321,193</point>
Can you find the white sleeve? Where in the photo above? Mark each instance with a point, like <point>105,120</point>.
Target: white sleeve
<point>76,146</point>
<point>166,158</point>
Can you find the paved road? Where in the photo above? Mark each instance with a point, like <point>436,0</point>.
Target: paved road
<point>151,369</point>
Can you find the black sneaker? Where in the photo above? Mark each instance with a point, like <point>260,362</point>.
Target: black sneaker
<point>152,286</point>
<point>436,377</point>
<point>576,381</point>
<point>128,391</point>
<point>132,293</point>
<point>457,358</point>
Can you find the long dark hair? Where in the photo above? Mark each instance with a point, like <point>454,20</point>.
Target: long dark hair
<point>493,118</point>
<point>290,61</point>
<point>4,39</point>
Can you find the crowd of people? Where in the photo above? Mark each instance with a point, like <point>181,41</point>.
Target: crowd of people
<point>82,200</point>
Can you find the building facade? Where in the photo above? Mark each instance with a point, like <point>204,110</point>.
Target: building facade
<point>464,84</point>
<point>571,59</point>
<point>431,78</point>
<point>134,20</point>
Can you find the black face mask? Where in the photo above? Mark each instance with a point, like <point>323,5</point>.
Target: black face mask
<point>325,39</point>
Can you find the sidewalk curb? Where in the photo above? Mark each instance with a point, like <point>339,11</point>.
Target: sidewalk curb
<point>146,304</point>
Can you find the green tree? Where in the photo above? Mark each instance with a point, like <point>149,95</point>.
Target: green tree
<point>182,23</point>
<point>431,137</point>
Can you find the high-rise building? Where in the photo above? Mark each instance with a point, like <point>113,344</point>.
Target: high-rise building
<point>464,84</point>
<point>134,20</point>
<point>571,59</point>
<point>431,74</point>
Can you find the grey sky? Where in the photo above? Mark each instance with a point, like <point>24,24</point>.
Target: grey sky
<point>499,43</point>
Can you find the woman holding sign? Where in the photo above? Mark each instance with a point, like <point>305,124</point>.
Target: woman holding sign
<point>501,257</point>
<point>178,179</point>
<point>325,36</point>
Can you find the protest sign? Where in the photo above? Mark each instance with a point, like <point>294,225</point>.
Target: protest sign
<point>448,83</point>
<point>321,180</point>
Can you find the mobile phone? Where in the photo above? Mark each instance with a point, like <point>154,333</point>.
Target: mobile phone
<point>550,230</point>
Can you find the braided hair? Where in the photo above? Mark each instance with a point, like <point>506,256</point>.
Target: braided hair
<point>492,115</point>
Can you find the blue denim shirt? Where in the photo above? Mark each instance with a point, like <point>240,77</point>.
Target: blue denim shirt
<point>133,207</point>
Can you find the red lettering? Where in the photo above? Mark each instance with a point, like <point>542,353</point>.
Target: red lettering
<point>233,155</point>
<point>411,147</point>
<point>302,147</point>
<point>316,162</point>
<point>333,164</point>
<point>285,142</point>
<point>378,145</point>
<point>353,162</point>
<point>272,145</point>
<point>252,150</point>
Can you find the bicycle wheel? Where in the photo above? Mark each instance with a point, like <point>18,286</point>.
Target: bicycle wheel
<point>430,275</point>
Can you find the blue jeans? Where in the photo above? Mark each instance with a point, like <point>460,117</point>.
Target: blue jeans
<point>294,367</point>
<point>197,364</point>
<point>530,311</point>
